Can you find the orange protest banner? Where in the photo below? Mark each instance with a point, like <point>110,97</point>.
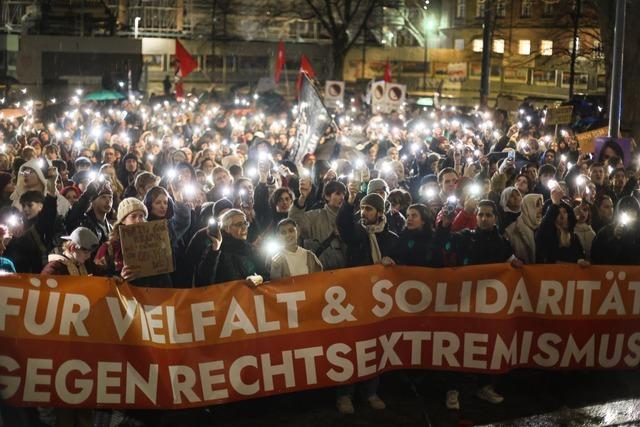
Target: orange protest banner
<point>88,342</point>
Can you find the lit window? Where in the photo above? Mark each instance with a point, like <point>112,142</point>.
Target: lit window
<point>501,9</point>
<point>524,47</point>
<point>477,45</point>
<point>498,45</point>
<point>577,44</point>
<point>461,8</point>
<point>525,9</point>
<point>546,48</point>
<point>458,44</point>
<point>480,8</point>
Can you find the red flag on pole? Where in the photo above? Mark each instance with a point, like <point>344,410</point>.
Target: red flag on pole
<point>387,72</point>
<point>305,68</point>
<point>279,62</point>
<point>185,64</point>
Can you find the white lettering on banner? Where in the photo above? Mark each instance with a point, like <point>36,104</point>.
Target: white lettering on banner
<point>309,356</point>
<point>74,381</point>
<point>105,381</point>
<point>122,321</point>
<point>6,309</point>
<point>334,296</point>
<point>236,319</point>
<point>33,379</point>
<point>199,320</point>
<point>82,385</point>
<point>136,380</point>
<point>208,380</point>
<point>482,296</point>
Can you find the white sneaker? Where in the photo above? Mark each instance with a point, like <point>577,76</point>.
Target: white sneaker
<point>452,400</point>
<point>345,405</point>
<point>489,394</point>
<point>376,403</point>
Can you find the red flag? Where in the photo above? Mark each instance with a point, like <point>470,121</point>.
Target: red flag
<point>387,72</point>
<point>185,62</point>
<point>279,62</point>
<point>305,68</point>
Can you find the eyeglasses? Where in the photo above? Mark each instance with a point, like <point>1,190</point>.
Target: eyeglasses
<point>27,172</point>
<point>242,224</point>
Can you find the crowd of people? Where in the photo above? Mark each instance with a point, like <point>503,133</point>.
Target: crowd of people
<point>432,187</point>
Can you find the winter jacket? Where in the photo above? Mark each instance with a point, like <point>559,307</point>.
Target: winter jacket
<point>280,267</point>
<point>80,215</point>
<point>608,249</point>
<point>548,250</point>
<point>414,247</point>
<point>319,234</point>
<point>355,236</point>
<point>474,247</point>
<point>235,260</point>
<point>29,252</point>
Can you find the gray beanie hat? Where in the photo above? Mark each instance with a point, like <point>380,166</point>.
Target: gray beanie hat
<point>374,200</point>
<point>376,185</point>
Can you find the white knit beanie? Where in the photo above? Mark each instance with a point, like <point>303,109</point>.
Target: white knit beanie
<point>129,205</point>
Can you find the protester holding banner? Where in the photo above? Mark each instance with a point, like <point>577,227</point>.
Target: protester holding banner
<point>619,242</point>
<point>230,256</point>
<point>555,240</point>
<point>292,260</point>
<point>521,232</point>
<point>415,243</point>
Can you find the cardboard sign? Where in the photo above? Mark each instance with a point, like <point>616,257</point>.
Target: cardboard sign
<point>559,116</point>
<point>147,246</point>
<point>587,140</point>
<point>334,94</point>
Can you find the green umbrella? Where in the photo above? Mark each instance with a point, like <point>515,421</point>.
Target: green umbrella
<point>104,95</point>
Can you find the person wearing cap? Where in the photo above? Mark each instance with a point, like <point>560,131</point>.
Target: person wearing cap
<point>76,251</point>
<point>109,258</point>
<point>369,242</point>
<point>92,209</point>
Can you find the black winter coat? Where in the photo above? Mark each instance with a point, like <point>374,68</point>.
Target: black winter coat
<point>548,250</point>
<point>415,247</point>
<point>607,249</point>
<point>357,240</point>
<point>235,260</point>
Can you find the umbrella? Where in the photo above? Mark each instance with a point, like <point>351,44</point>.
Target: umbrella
<point>104,95</point>
<point>12,113</point>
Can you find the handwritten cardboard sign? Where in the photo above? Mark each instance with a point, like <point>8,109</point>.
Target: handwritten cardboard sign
<point>587,140</point>
<point>559,116</point>
<point>147,246</point>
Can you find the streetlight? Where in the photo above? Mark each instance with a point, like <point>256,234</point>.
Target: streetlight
<point>429,24</point>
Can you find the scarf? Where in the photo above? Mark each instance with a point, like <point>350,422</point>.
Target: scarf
<point>372,230</point>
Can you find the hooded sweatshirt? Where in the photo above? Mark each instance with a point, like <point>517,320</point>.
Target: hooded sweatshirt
<point>521,233</point>
<point>63,205</point>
